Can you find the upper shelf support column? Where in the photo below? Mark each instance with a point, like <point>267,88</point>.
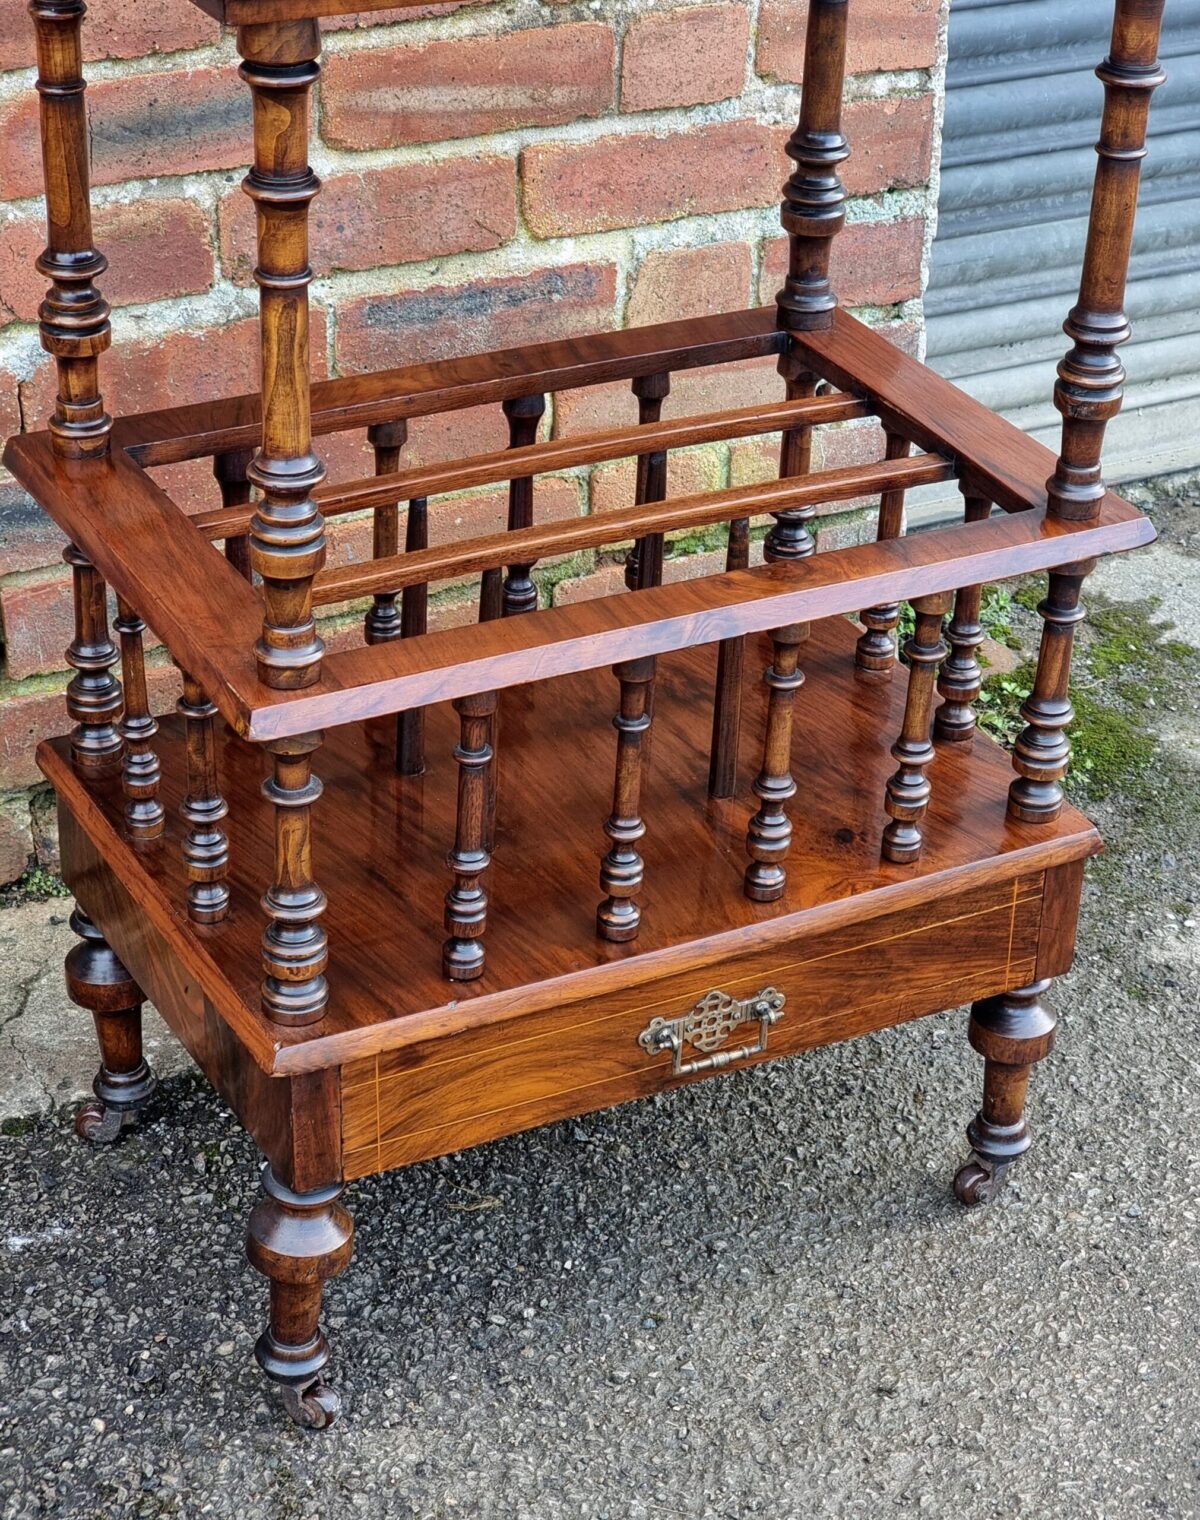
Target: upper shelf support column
<point>73,318</point>
<point>1091,378</point>
<point>814,198</point>
<point>287,533</point>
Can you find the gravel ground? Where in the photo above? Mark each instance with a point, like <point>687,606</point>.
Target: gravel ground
<point>755,1297</point>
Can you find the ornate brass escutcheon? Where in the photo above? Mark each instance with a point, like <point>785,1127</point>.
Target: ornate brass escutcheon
<point>708,1025</point>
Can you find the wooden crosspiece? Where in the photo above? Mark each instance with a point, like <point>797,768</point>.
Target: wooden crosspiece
<point>907,797</point>
<point>770,831</point>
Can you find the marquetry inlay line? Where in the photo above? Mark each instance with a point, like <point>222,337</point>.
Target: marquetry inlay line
<point>376,1146</point>
<point>349,1085</point>
<point>1012,921</point>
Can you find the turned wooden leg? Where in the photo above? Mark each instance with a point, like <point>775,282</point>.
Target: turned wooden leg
<point>1012,1033</point>
<point>298,1241</point>
<point>97,981</point>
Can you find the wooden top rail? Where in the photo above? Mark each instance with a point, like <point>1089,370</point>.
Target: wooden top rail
<point>209,617</point>
<point>528,545</point>
<point>459,662</point>
<point>419,390</point>
<point>555,454</point>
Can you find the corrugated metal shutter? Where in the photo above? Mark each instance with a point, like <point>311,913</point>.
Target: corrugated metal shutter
<point>1022,112</point>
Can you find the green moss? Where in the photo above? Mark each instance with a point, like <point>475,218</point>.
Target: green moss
<point>36,885</point>
<point>17,1126</point>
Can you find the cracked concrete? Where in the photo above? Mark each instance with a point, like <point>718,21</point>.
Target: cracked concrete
<point>47,1045</point>
<point>752,1298</point>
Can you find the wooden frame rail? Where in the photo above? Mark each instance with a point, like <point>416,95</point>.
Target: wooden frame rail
<point>199,429</point>
<point>592,532</point>
<point>554,454</point>
<point>458,662</point>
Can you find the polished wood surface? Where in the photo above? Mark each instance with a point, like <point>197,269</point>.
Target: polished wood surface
<point>1091,378</point>
<point>405,1105</point>
<point>652,517</point>
<point>380,843</point>
<point>198,429</point>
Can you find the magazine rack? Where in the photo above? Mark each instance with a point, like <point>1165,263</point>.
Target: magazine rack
<point>480,918</point>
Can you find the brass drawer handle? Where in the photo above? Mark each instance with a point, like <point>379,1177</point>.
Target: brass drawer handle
<point>708,1025</point>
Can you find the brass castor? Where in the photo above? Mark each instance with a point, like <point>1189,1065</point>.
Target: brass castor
<point>978,1181</point>
<point>314,1406</point>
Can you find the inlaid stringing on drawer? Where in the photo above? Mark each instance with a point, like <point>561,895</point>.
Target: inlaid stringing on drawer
<point>408,1104</point>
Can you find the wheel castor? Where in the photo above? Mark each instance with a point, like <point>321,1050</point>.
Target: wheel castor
<point>314,1407</point>
<point>98,1124</point>
<point>978,1181</point>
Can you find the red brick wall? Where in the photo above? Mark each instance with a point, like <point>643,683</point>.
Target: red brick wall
<point>513,174</point>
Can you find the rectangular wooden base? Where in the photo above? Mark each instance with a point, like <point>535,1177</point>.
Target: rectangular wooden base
<point>407,1065</point>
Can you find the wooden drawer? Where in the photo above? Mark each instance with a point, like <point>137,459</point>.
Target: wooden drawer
<point>425,1100</point>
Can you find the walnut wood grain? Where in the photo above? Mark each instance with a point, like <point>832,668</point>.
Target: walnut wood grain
<point>73,323</point>
<point>521,463</point>
<point>652,518</point>
<point>173,434</point>
<point>380,842</point>
<point>403,1106</point>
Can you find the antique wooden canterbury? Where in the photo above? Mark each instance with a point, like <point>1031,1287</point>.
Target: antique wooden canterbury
<point>439,966</point>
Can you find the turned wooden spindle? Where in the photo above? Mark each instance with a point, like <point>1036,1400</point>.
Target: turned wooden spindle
<point>814,198</point>
<point>287,532</point>
<point>727,700</point>
<point>205,845</point>
<point>232,479</point>
<point>908,789</point>
<point>790,535</point>
<point>769,833</point>
<point>73,318</point>
<point>94,698</point>
<point>145,816</point>
<point>875,652</point>
<point>414,620</point>
<point>618,917</point>
<point>960,679</point>
<point>644,562</point>
<point>1042,753</point>
<point>383,621</point>
<point>466,901</point>
<point>524,414</point>
<point>1091,377</point>
<point>295,948</point>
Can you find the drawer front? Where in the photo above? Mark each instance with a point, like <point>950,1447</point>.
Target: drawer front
<point>406,1105</point>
